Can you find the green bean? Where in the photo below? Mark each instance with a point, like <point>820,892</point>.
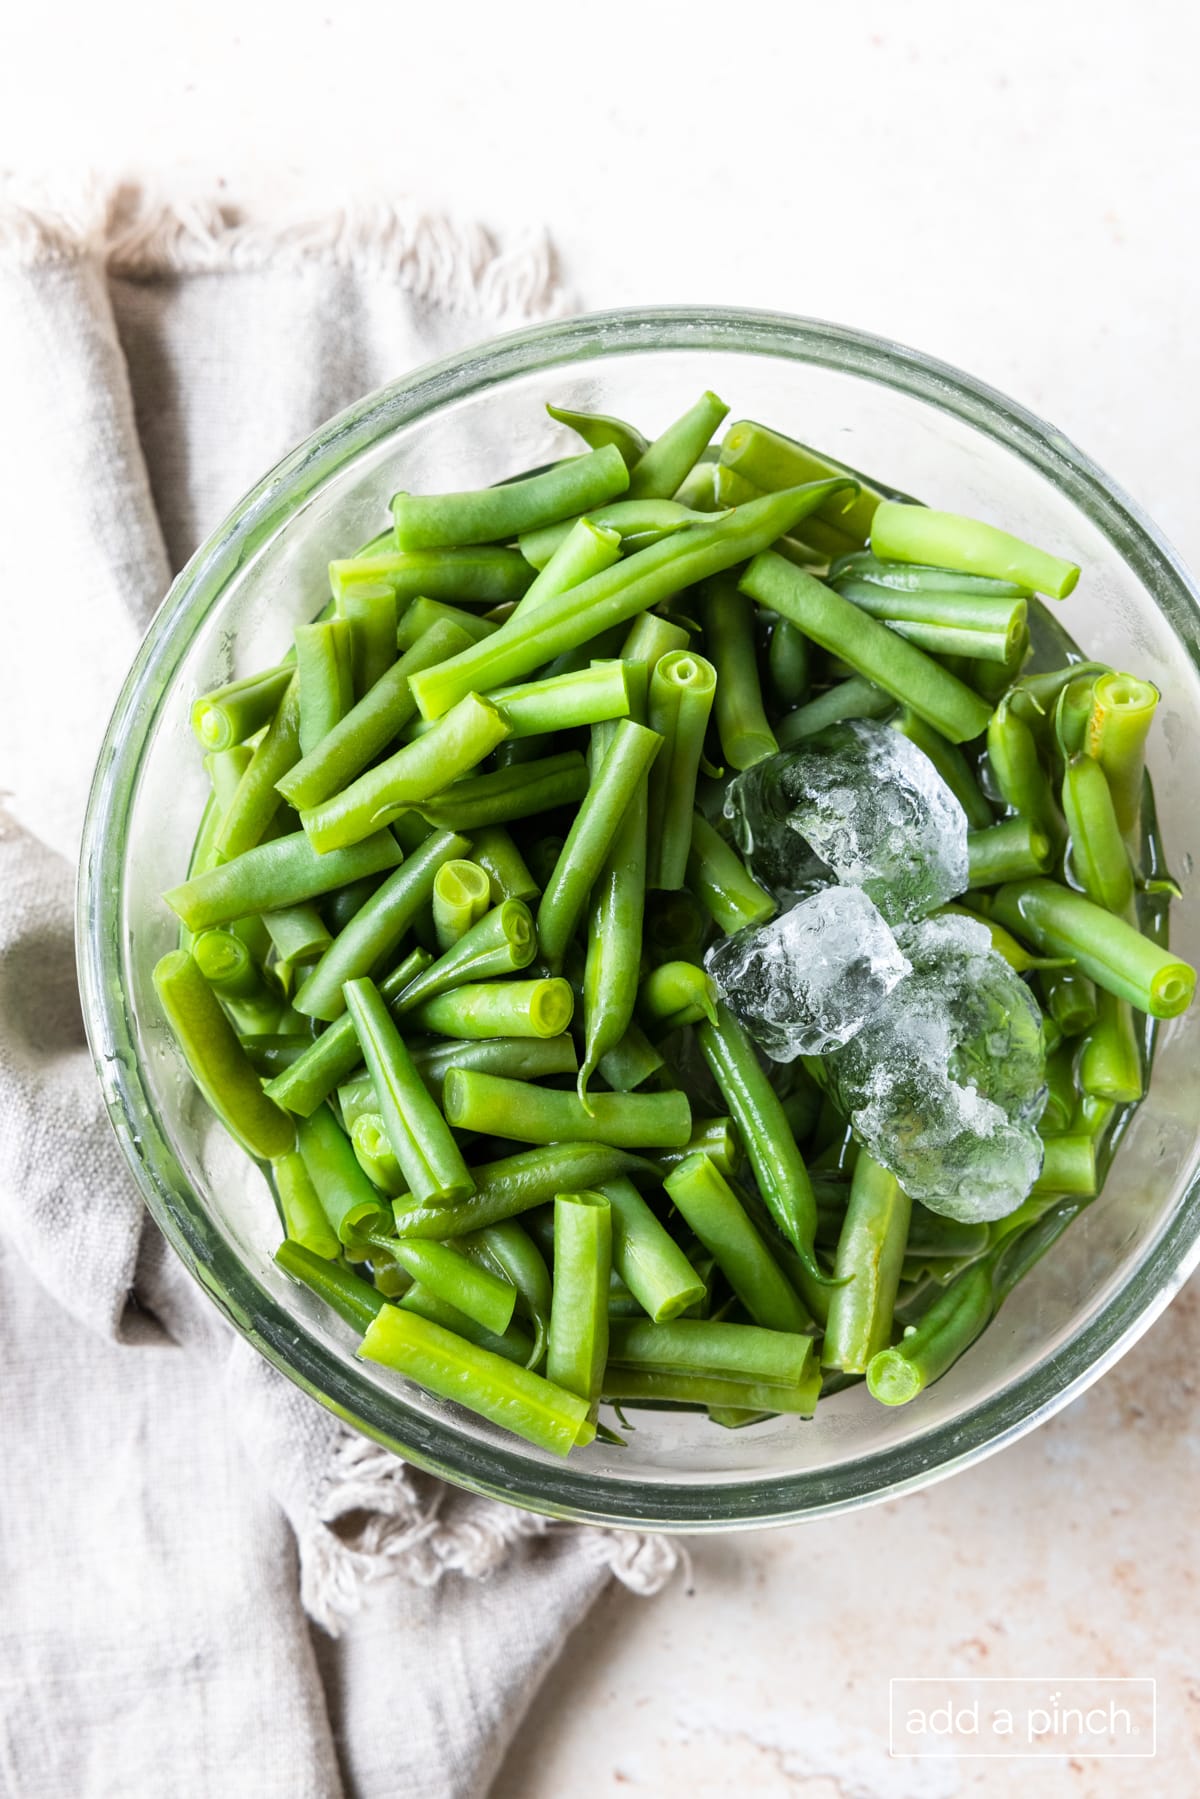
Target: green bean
<point>913,577</point>
<point>630,1062</point>
<point>501,943</point>
<point>515,1345</point>
<point>490,575</point>
<point>676,994</point>
<point>770,460</point>
<point>523,1058</point>
<point>870,1253</point>
<point>637,523</point>
<point>712,1210</point>
<point>498,514</point>
<point>304,1217</point>
<point>854,698</point>
<point>1115,955</point>
<point>374,933</point>
<point>720,880</point>
<point>727,617</point>
<point>1068,1167</point>
<point>497,1107</point>
<point>653,1386</point>
<point>429,1158</point>
<point>496,853</point>
<point>578,1343</point>
<point>516,1184</point>
<point>1122,714</point>
<point>326,677</point>
<point>451,1276</point>
<point>462,893</point>
<point>509,1250</point>
<point>255,1005</point>
<point>789,664</point>
<point>334,1054</point>
<point>646,1256</point>
<point>925,1352</point>
<point>667,461</point>
<point>369,610</point>
<point>584,698</point>
<point>953,767</point>
<point>599,429</point>
<point>1110,1062</point>
<point>284,872</point>
<point>521,791</point>
<point>631,752</point>
<point>421,617</point>
<point>870,648</point>
<point>1060,1091</point>
<point>734,1352</point>
<point>228,715</point>
<point>1093,1117</point>
<point>256,800</point>
<point>756,1110</point>
<point>216,1060</point>
<point>716,1138</point>
<point>650,638</point>
<point>1009,851</point>
<point>901,533</point>
<point>1018,772</point>
<point>945,624</point>
<point>583,550</point>
<point>376,1157</point>
<point>540,1008</point>
<point>369,726</point>
<point>348,1199</point>
<point>274,1051</point>
<point>1098,854</point>
<point>682,689</point>
<point>616,595</point>
<point>1069,998</point>
<point>462,738</point>
<point>616,917</point>
<point>1072,715</point>
<point>297,933</point>
<point>508,1395</point>
<point>351,1298</point>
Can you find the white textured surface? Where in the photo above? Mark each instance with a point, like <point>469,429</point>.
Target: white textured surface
<point>1014,188</point>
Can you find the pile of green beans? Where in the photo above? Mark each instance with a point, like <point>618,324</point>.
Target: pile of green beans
<point>440,964</point>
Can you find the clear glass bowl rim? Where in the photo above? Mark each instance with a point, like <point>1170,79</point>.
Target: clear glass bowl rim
<point>568,1491</point>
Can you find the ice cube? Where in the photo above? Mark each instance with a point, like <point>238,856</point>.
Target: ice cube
<point>858,803</point>
<point>946,1084</point>
<point>810,979</point>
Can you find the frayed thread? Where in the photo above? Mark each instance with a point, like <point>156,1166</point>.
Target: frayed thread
<point>378,1517</point>
<point>456,266</point>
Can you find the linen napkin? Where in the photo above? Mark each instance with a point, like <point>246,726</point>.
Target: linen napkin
<point>172,1511</point>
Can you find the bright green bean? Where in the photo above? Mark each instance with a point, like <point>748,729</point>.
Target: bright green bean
<point>1113,953</point>
<point>520,791</point>
<point>736,1352</point>
<point>950,1326</point>
<point>854,698</point>
<point>682,689</point>
<point>228,715</point>
<point>517,1184</point>
<point>646,1256</point>
<point>654,1386</point>
<point>578,1343</point>
<point>370,613</point>
<point>451,1276</point>
<point>789,663</point>
<point>325,673</point>
<point>486,574</point>
<point>583,550</point>
<point>497,1107</point>
<point>769,460</point>
<point>870,648</point>
<point>1069,1166</point>
<point>616,916</point>
<point>509,1250</point>
<point>498,514</point>
<point>945,624</point>
<point>376,1157</point>
<point>1110,1061</point>
<point>256,800</point>
<point>902,533</point>
<point>870,1255</point>
<point>1068,998</point>
<point>484,1009</point>
<point>216,1060</point>
<point>1122,713</point>
<point>351,1298</point>
<point>421,616</point>
<point>348,1199</point>
<point>720,880</point>
<point>583,698</point>
<point>1099,858</point>
<point>638,523</point>
<point>676,994</point>
<point>304,1217</point>
<point>728,619</point>
<point>501,943</point>
<point>666,462</point>
<point>312,1077</point>
<point>462,893</point>
<point>496,853</point>
<point>599,428</point>
<point>716,1138</point>
<point>1008,852</point>
<point>712,1210</point>
<point>284,872</point>
<point>1017,770</point>
<point>297,933</point>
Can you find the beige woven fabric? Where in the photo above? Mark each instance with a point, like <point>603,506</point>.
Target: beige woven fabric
<point>170,1507</point>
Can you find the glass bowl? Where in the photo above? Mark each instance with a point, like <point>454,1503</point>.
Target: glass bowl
<point>477,418</point>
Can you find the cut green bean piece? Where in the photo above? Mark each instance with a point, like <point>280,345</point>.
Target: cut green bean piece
<point>584,548</point>
<point>521,1058</point>
<point>430,1159</point>
<point>501,943</point>
<point>520,791</point>
<point>348,1199</point>
<point>334,1055</point>
<point>1017,770</point>
<point>1068,1167</point>
<point>1110,1062</point>
<point>611,598</point>
<point>902,533</point>
<point>599,429</point>
<point>488,575</point>
<point>637,523</point>
<point>325,673</point>
<point>855,698</point>
<point>462,893</point>
<point>370,614</point>
<point>1008,851</point>
<point>502,1108</point>
<point>512,1009</point>
<point>460,740</point>
<point>216,1060</point>
<point>712,1210</point>
<point>1123,709</point>
<point>284,872</point>
<point>870,1256</point>
<point>450,1276</point>
<point>666,462</point>
<point>421,617</point>
<point>498,514</point>
<point>566,701</point>
<point>738,1352</point>
<point>952,1323</point>
<point>297,933</point>
<point>376,1157</point>
<point>682,689</point>
<point>351,1298</point>
<point>515,1345</point>
<point>509,1250</point>
<point>1099,858</point>
<point>770,460</point>
<point>715,1138</point>
<point>945,624</point>
<point>650,638</point>
<point>728,619</point>
<point>1068,998</point>
<point>578,1343</point>
<point>228,715</point>
<point>630,754</point>
<point>676,994</point>
<point>374,933</point>
<point>495,852</point>
<point>304,1217</point>
<point>510,1396</point>
<point>789,663</point>
<point>256,800</point>
<point>517,1184</point>
<point>616,916</point>
<point>663,1386</point>
<point>1114,954</point>
<point>647,1257</point>
<point>720,880</point>
<point>906,672</point>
